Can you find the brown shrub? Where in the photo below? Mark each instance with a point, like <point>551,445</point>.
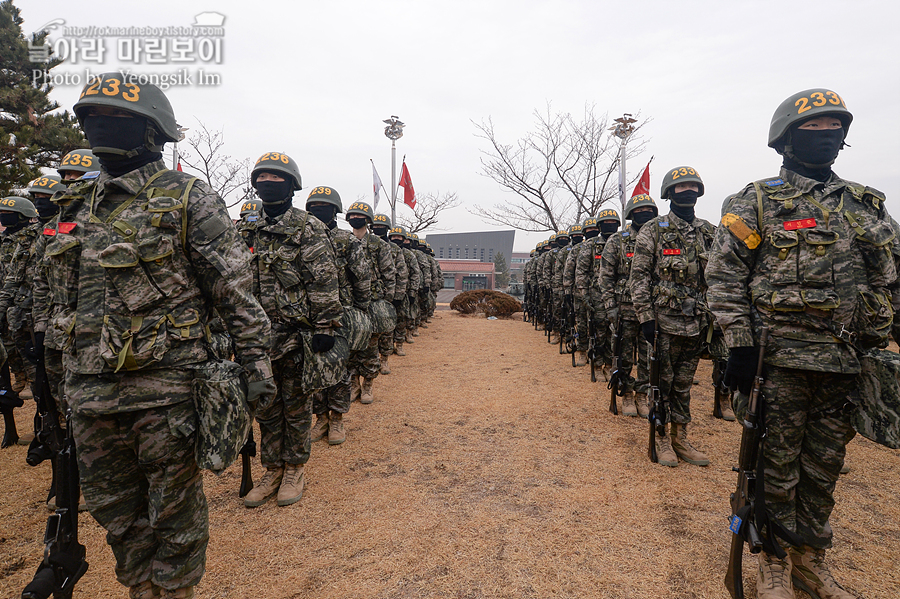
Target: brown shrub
<point>491,303</point>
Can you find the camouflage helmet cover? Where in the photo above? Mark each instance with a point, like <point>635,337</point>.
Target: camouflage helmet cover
<point>806,105</point>
<point>46,184</point>
<point>575,230</point>
<point>639,201</point>
<point>250,206</point>
<point>360,208</point>
<point>130,93</point>
<point>680,174</point>
<point>81,160</point>
<point>16,204</point>
<point>326,194</point>
<point>398,231</point>
<point>608,214</point>
<point>381,220</point>
<point>589,223</point>
<point>278,163</point>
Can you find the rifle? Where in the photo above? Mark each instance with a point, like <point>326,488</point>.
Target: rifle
<point>247,451</point>
<point>658,415</point>
<point>64,557</point>
<point>615,377</point>
<point>572,338</point>
<point>722,392</point>
<point>592,344</point>
<point>9,400</point>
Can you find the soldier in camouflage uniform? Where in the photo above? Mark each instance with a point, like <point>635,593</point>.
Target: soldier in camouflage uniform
<point>812,257</point>
<point>669,294</point>
<point>400,238</point>
<point>576,235</point>
<point>139,256</point>
<point>354,282</point>
<point>13,224</point>
<point>380,228</point>
<point>615,270</point>
<point>587,284</point>
<point>418,250</point>
<point>296,281</point>
<point>553,271</point>
<point>437,282</point>
<point>366,364</point>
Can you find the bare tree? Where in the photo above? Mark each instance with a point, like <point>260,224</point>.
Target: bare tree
<point>426,214</point>
<point>229,177</point>
<point>563,171</point>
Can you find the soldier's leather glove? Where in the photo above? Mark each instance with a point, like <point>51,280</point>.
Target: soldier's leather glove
<point>741,369</point>
<point>398,304</point>
<point>612,315</point>
<point>322,343</point>
<point>34,351</point>
<point>412,299</point>
<point>260,392</point>
<point>649,330</point>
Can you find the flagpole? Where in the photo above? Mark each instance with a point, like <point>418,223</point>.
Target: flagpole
<point>623,129</point>
<point>393,131</point>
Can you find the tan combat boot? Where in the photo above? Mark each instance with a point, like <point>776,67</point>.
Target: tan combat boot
<point>265,488</point>
<point>811,574</point>
<point>727,411</point>
<point>144,590</point>
<point>410,335</point>
<point>291,489</point>
<point>665,456</point>
<point>385,367</point>
<point>580,358</point>
<point>554,338</point>
<point>319,429</point>
<point>354,387</point>
<point>366,396</point>
<point>415,332</point>
<point>336,434</point>
<point>628,408</point>
<point>398,348</point>
<point>683,447</point>
<point>182,593</point>
<point>642,404</point>
<point>774,579</point>
<point>19,379</point>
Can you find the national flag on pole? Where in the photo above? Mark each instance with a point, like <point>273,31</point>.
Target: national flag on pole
<point>643,185</point>
<point>409,194</point>
<point>377,185</point>
<point>179,166</point>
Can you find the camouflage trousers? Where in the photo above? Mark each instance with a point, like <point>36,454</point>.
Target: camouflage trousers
<point>140,479</point>
<point>366,363</point>
<point>581,324</point>
<point>808,427</point>
<point>633,345</point>
<point>678,359</point>
<point>406,319</point>
<point>335,398</point>
<point>284,422</point>
<point>386,343</point>
<point>56,375</point>
<point>16,361</point>
<point>557,311</point>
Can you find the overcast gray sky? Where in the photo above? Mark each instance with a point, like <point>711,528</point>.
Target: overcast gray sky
<point>316,79</point>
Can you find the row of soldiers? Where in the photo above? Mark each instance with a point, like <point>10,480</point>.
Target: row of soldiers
<point>607,295</point>
<point>142,290</point>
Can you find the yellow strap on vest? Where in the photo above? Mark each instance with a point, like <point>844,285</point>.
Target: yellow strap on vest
<point>124,205</point>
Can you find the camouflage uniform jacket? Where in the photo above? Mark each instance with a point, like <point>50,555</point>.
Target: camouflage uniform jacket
<point>17,284</point>
<point>587,272</point>
<point>666,281</point>
<point>437,275</point>
<point>528,273</point>
<point>133,269</point>
<point>295,276</point>
<point>559,265</point>
<point>546,272</point>
<point>384,274</point>
<point>401,281</point>
<point>414,283</point>
<point>8,244</point>
<point>354,273</point>
<point>568,277</point>
<point>424,269</point>
<point>814,262</point>
<point>615,269</point>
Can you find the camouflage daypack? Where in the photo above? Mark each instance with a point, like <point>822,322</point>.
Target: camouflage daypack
<point>878,414</point>
<point>223,415</point>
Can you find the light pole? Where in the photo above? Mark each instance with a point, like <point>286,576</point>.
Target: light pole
<point>623,129</point>
<point>393,132</point>
<point>181,131</point>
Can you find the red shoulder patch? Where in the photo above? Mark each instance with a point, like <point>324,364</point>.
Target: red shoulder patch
<point>66,228</point>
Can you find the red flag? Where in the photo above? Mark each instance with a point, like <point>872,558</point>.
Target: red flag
<point>409,194</point>
<point>643,186</point>
<point>179,167</point>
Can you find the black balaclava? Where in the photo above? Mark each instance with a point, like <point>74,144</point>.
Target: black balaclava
<point>576,239</point>
<point>276,196</point>
<point>682,204</point>
<point>591,234</point>
<point>325,214</point>
<point>46,209</point>
<point>608,227</point>
<point>812,152</point>
<point>397,241</point>
<point>638,219</point>
<point>120,143</point>
<point>381,232</point>
<point>12,221</point>
<point>358,222</point>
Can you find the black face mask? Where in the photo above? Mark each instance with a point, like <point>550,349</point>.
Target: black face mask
<point>591,234</point>
<point>119,143</point>
<point>685,213</point>
<point>380,232</point>
<point>11,221</point>
<point>274,192</point>
<point>396,241</point>
<point>688,197</point>
<point>46,209</point>
<point>358,223</point>
<point>816,149</point>
<point>576,239</point>
<point>641,218</point>
<point>323,213</point>
<point>608,227</point>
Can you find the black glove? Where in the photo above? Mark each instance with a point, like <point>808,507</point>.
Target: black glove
<point>322,343</point>
<point>412,299</point>
<point>741,369</point>
<point>34,352</point>
<point>649,330</point>
<point>398,304</point>
<point>423,291</point>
